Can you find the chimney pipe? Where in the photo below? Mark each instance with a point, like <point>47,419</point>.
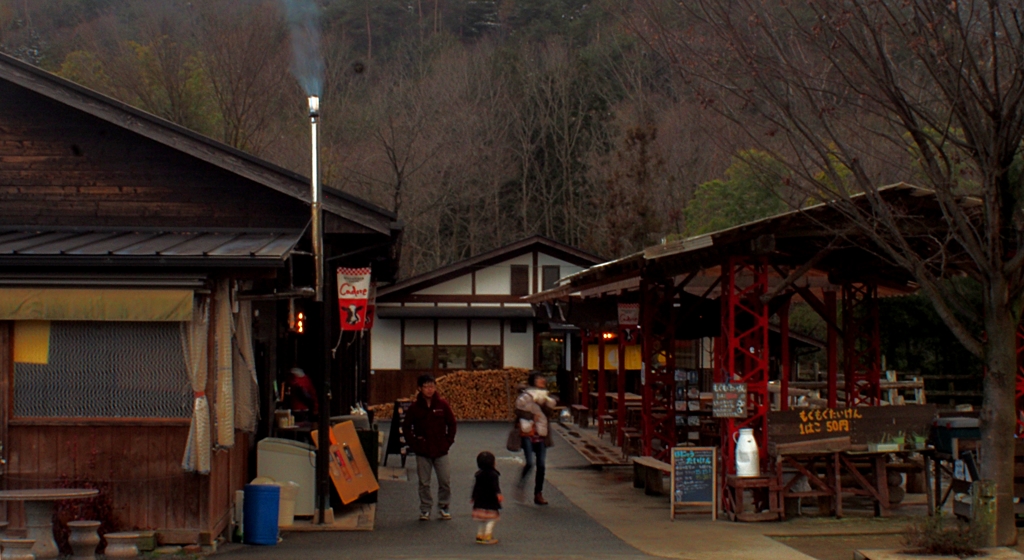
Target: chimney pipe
<point>318,234</point>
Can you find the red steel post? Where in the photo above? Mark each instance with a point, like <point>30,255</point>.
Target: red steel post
<point>745,353</point>
<point>784,356</point>
<point>621,380</point>
<point>862,349</point>
<point>832,349</point>
<point>585,376</point>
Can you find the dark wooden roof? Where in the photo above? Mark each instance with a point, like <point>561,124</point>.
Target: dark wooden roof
<point>536,243</point>
<point>186,141</point>
<point>158,248</point>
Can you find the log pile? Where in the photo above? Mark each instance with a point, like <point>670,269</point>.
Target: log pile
<point>473,395</point>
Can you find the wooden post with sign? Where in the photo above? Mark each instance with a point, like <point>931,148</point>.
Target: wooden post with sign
<point>694,478</point>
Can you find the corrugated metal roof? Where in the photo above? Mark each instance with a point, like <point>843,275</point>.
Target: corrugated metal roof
<point>59,246</point>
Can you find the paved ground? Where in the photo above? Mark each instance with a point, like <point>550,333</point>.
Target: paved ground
<point>593,514</point>
<point>559,530</point>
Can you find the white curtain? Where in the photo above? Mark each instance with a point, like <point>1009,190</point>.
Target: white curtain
<point>194,338</point>
<point>247,396</point>
<point>224,402</point>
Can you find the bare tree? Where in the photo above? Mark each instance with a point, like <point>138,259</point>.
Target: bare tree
<point>244,54</point>
<point>849,92</point>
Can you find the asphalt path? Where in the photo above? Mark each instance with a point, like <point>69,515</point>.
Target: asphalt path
<point>558,530</point>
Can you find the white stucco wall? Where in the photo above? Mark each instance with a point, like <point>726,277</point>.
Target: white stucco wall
<point>386,344</point>
<point>419,331</point>
<point>463,285</point>
<point>485,332</point>
<point>496,279</point>
<point>519,347</point>
<point>452,331</point>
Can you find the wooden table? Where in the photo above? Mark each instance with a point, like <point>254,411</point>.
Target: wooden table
<point>734,487</point>
<point>39,513</point>
<point>835,464</point>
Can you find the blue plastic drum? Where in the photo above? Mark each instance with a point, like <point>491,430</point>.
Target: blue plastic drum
<point>260,513</point>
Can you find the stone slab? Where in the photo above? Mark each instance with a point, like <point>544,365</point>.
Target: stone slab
<point>354,517</point>
<point>894,554</point>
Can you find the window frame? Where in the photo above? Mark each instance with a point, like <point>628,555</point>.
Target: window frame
<point>544,270</point>
<point>519,280</point>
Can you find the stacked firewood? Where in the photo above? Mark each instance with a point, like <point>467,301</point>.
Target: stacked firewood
<point>474,395</point>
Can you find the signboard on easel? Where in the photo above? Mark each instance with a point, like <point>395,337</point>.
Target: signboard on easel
<point>349,469</point>
<point>694,479</point>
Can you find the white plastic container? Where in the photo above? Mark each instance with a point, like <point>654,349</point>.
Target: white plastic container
<point>748,458</point>
<point>282,459</point>
<point>286,512</point>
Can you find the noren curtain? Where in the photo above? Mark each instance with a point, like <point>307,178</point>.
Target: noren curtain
<point>194,337</point>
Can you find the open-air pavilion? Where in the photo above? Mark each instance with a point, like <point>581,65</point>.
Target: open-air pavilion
<point>727,286</point>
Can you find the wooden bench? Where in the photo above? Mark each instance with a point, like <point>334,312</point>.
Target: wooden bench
<point>606,423</point>
<point>632,442</point>
<point>647,474</point>
<point>581,415</point>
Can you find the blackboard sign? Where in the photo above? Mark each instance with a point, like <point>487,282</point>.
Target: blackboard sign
<point>730,400</point>
<point>694,478</point>
<point>396,439</point>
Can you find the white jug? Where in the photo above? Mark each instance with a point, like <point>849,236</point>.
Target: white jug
<point>748,459</point>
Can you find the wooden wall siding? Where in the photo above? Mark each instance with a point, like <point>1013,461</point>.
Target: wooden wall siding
<point>62,167</point>
<point>141,465</point>
<point>388,385</point>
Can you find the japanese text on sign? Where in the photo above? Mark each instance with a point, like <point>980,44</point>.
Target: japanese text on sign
<point>729,400</point>
<point>827,420</point>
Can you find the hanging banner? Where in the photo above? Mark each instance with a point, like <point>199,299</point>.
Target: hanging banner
<point>629,314</point>
<point>353,293</point>
<point>371,307</point>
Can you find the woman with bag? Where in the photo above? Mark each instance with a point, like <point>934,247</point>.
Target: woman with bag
<point>533,408</point>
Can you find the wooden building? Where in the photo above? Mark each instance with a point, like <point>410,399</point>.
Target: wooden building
<point>145,273</point>
<point>470,315</point>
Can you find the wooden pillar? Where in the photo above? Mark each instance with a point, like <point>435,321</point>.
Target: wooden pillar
<point>602,380</point>
<point>585,376</point>
<point>1020,379</point>
<point>784,357</point>
<point>621,378</point>
<point>832,349</point>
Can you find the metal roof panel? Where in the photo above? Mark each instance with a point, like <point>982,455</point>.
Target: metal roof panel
<point>245,245</point>
<point>156,244</point>
<point>109,246</point>
<point>200,245</point>
<point>67,244</point>
<point>39,238</point>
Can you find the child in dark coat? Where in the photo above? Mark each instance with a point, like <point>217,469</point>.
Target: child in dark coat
<point>487,498</point>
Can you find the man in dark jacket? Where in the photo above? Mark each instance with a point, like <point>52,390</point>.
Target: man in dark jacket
<point>429,429</point>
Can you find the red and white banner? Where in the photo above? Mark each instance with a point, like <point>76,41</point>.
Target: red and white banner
<point>629,314</point>
<point>353,293</point>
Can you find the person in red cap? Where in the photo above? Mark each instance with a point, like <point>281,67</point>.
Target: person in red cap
<point>300,395</point>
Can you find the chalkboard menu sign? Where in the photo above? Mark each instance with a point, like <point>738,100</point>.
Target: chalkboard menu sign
<point>730,400</point>
<point>396,439</point>
<point>694,478</point>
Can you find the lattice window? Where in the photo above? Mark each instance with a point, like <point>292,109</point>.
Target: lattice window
<point>107,370</point>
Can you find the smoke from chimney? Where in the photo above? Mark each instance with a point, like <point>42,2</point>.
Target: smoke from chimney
<point>304,24</point>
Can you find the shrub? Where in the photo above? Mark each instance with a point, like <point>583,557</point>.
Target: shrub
<point>939,535</point>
